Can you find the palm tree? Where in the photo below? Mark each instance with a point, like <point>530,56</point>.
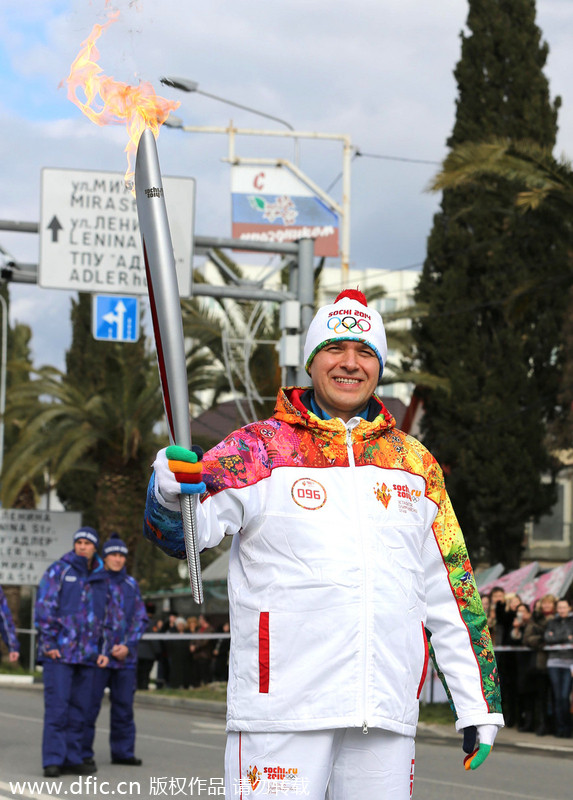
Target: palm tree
<point>541,178</point>
<point>220,329</point>
<point>107,437</point>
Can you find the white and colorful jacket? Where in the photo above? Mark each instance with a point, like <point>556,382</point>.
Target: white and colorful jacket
<point>348,558</point>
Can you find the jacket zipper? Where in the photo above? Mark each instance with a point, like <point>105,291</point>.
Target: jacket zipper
<point>352,465</point>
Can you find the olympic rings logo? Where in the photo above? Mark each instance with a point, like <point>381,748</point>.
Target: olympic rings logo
<point>351,324</point>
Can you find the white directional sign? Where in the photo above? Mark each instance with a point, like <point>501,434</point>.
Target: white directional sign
<point>31,540</point>
<point>89,233</point>
<point>115,318</point>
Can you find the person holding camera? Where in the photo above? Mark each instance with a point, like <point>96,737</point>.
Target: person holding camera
<point>524,669</point>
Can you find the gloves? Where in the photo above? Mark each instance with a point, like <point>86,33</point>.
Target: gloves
<point>178,471</point>
<point>478,741</point>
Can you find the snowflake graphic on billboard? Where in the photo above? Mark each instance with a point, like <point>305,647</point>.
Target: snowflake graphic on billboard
<point>282,208</point>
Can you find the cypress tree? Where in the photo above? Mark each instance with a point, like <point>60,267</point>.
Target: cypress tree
<point>94,366</point>
<point>85,366</point>
<point>493,286</point>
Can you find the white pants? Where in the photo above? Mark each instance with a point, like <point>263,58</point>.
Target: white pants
<point>339,764</point>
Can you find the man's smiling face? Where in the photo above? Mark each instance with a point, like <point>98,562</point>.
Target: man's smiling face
<point>344,375</point>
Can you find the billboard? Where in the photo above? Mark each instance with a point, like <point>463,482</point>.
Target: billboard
<point>273,205</point>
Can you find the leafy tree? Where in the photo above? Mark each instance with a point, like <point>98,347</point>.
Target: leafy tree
<point>540,180</point>
<point>491,286</point>
<point>85,366</point>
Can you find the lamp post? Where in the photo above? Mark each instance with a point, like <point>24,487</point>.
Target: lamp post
<point>343,208</point>
<point>185,85</point>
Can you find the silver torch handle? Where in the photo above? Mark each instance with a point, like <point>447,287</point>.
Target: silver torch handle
<point>167,325</point>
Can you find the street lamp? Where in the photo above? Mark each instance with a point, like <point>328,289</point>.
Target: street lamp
<point>192,86</point>
<point>342,208</point>
<point>173,121</point>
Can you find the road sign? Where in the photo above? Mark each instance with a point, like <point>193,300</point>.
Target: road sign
<point>30,540</point>
<point>89,233</point>
<point>115,318</point>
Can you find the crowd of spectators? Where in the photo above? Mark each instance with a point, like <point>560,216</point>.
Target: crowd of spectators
<point>185,662</point>
<point>536,680</point>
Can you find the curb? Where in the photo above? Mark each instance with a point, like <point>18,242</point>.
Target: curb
<point>506,741</point>
<point>210,707</point>
<point>16,680</point>
<point>429,733</point>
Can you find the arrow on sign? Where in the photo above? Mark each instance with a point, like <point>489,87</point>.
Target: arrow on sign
<point>55,227</point>
<point>117,318</point>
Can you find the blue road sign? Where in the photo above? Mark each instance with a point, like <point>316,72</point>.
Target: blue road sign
<point>115,318</point>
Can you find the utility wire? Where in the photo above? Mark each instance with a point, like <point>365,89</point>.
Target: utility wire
<point>395,158</point>
<point>358,153</point>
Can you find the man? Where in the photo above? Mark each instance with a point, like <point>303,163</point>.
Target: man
<point>128,622</point>
<point>559,630</point>
<point>70,609</point>
<point>348,558</point>
<point>148,652</point>
<point>8,630</point>
<point>202,652</point>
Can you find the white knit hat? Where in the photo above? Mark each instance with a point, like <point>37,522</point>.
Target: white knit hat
<point>350,318</point>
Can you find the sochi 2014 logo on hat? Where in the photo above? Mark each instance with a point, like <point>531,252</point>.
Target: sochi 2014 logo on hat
<point>348,318</point>
<point>308,493</point>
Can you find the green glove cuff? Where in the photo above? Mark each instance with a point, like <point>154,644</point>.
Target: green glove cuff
<point>477,758</point>
<point>176,453</point>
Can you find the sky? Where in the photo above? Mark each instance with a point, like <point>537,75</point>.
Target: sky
<point>380,71</point>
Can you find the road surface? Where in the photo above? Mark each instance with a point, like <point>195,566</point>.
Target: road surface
<point>182,756</point>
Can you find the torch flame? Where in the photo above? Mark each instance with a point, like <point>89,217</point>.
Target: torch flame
<point>138,107</point>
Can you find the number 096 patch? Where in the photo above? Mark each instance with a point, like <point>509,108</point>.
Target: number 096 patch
<point>308,493</point>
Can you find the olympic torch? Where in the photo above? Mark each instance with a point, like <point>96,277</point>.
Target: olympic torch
<point>167,324</point>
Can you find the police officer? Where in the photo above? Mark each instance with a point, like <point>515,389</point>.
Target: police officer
<point>128,622</point>
<point>70,610</point>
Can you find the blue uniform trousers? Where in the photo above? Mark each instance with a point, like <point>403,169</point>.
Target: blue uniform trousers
<point>121,684</point>
<point>67,695</point>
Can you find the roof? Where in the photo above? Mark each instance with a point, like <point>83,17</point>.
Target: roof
<point>217,570</point>
<point>217,423</point>
<point>397,408</point>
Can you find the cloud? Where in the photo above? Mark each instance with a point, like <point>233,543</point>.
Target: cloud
<point>381,72</point>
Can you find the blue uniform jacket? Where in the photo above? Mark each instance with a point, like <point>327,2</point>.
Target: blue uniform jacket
<point>127,617</point>
<point>7,629</point>
<point>70,609</point>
